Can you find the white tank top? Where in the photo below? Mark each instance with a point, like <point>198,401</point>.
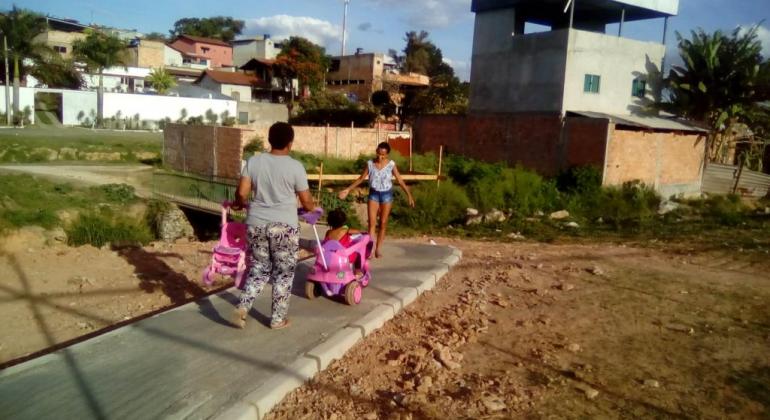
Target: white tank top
<point>381,179</point>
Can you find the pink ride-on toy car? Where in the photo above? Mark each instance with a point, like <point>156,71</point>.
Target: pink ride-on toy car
<point>333,272</point>
<point>229,255</point>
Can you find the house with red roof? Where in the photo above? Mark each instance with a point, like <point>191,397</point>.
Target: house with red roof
<point>198,50</point>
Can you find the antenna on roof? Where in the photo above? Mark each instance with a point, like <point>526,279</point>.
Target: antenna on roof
<point>569,2</point>
<point>344,26</point>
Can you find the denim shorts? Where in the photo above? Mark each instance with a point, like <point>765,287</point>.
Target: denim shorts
<point>382,197</point>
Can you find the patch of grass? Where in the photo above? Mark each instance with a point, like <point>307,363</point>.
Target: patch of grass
<point>71,143</point>
<point>26,200</point>
<point>101,228</point>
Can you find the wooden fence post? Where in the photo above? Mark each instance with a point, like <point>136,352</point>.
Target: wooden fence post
<point>326,141</point>
<point>411,136</point>
<point>320,183</point>
<point>440,163</point>
<point>350,150</point>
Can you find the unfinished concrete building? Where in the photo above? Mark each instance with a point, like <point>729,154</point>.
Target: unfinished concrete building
<point>571,95</point>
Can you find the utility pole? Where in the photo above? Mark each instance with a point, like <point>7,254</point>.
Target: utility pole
<point>344,27</point>
<point>7,84</point>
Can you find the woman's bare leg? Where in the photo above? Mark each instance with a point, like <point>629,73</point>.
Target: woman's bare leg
<point>384,215</point>
<point>373,208</point>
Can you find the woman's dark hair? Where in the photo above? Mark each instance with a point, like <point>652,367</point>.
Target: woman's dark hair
<point>336,218</point>
<point>384,145</point>
<point>280,135</point>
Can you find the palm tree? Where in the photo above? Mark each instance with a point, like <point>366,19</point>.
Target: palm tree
<point>161,80</point>
<point>718,83</point>
<point>20,27</point>
<point>100,51</point>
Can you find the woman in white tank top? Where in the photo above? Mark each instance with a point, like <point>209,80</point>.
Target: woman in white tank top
<point>380,171</point>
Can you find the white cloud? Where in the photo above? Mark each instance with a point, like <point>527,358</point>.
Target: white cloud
<point>429,14</point>
<point>462,68</point>
<point>319,31</point>
<point>763,34</point>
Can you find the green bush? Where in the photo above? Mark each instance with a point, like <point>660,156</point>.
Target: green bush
<point>312,163</point>
<point>99,229</point>
<point>725,210</point>
<point>256,145</point>
<point>118,193</point>
<point>434,207</point>
<point>631,205</point>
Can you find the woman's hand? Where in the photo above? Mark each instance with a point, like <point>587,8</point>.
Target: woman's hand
<point>410,200</point>
<point>343,194</point>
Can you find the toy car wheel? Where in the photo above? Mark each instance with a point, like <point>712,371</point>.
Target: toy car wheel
<point>207,277</point>
<point>310,290</point>
<point>353,293</point>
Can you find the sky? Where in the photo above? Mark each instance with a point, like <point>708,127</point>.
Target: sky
<point>378,25</point>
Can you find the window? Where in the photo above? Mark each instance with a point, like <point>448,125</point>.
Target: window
<point>243,117</point>
<point>639,88</point>
<point>205,49</point>
<point>236,95</point>
<point>591,83</point>
<point>60,49</point>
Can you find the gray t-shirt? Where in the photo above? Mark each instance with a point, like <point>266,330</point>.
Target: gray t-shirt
<point>275,182</point>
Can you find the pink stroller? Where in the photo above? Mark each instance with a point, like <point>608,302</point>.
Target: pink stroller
<point>229,256</point>
<point>333,274</point>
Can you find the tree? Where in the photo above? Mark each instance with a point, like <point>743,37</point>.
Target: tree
<point>161,80</point>
<point>446,93</point>
<point>300,58</point>
<point>720,82</point>
<point>20,28</point>
<point>100,51</point>
<point>57,72</point>
<point>334,108</point>
<point>219,27</point>
<point>155,36</point>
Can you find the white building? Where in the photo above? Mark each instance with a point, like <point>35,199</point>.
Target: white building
<point>119,79</point>
<point>261,47</point>
<point>576,66</point>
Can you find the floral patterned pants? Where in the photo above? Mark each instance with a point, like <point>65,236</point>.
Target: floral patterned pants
<point>274,250</point>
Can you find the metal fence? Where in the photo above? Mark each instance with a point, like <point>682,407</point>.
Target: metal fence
<point>726,179</point>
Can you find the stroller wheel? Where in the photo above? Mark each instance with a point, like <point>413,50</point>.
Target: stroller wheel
<point>353,293</point>
<point>311,290</point>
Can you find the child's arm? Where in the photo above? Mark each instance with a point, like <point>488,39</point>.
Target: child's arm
<point>344,193</point>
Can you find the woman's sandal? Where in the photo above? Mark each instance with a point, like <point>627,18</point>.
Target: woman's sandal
<point>239,317</point>
<point>281,325</point>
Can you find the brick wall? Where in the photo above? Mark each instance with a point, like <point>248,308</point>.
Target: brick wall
<point>670,161</point>
<point>342,142</point>
<point>218,151</point>
<point>535,141</point>
<point>205,150</point>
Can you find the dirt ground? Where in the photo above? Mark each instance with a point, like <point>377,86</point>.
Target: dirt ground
<point>52,294</point>
<point>514,331</point>
<point>575,331</point>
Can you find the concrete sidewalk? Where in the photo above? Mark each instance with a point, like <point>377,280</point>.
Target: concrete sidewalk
<point>190,363</point>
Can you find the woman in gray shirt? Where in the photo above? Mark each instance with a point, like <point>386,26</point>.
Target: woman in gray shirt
<point>275,179</point>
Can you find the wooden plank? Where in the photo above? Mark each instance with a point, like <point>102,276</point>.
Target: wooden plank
<point>353,177</point>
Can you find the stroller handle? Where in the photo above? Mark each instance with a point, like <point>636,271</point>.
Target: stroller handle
<point>311,217</point>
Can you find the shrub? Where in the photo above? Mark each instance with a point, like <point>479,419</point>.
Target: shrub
<point>725,210</point>
<point>434,207</point>
<point>256,145</point>
<point>99,229</point>
<point>118,193</point>
<point>631,205</point>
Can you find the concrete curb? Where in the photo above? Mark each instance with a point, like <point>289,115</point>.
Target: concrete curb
<point>260,401</point>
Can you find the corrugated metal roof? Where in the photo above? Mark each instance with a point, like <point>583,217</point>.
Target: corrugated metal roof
<point>645,122</point>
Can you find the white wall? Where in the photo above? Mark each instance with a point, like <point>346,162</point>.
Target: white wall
<point>172,57</point>
<point>618,61</point>
<point>76,101</point>
<point>155,107</point>
<point>26,99</point>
